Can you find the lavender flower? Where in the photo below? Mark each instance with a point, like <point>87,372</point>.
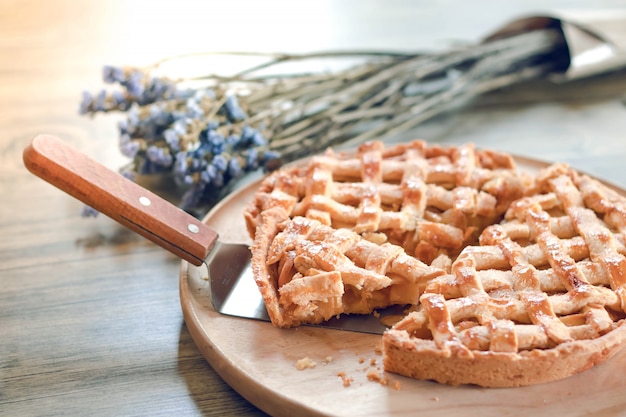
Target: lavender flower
<point>271,155</point>
<point>181,132</point>
<point>119,100</point>
<point>100,101</point>
<point>159,156</point>
<point>88,211</point>
<point>233,140</point>
<point>252,158</point>
<point>134,83</point>
<point>233,111</point>
<point>172,138</point>
<point>209,174</point>
<point>85,103</point>
<point>159,115</point>
<point>234,168</point>
<point>104,101</point>
<point>111,74</point>
<point>128,147</point>
<point>216,142</point>
<point>194,111</point>
<point>137,87</point>
<point>220,163</point>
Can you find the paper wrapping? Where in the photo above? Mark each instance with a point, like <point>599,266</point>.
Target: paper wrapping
<point>596,39</point>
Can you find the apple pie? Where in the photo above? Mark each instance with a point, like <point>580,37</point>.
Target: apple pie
<point>512,279</point>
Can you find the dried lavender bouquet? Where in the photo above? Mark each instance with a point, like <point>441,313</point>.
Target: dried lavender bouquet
<point>209,135</point>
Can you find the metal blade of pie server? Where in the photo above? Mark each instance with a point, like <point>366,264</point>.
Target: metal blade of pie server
<point>235,293</point>
<point>233,289</point>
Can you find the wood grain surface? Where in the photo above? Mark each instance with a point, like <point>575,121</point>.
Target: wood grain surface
<point>261,361</point>
<point>90,316</point>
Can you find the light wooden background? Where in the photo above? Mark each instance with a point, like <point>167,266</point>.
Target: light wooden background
<point>90,321</point>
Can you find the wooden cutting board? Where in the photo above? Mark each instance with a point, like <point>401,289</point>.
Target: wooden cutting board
<point>260,361</point>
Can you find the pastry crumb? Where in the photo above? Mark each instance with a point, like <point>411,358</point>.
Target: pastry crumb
<point>305,363</point>
<point>375,376</point>
<point>345,379</point>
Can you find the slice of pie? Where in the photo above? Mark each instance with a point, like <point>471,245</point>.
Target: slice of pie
<point>512,279</point>
<point>350,233</point>
<point>541,298</point>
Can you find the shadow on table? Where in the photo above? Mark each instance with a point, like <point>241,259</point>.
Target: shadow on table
<point>210,393</point>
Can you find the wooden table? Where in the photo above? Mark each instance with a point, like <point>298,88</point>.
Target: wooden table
<point>90,320</point>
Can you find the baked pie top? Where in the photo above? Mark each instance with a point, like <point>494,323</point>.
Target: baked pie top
<point>504,271</point>
<point>428,199</point>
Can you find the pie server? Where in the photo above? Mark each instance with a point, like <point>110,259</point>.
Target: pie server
<point>233,289</point>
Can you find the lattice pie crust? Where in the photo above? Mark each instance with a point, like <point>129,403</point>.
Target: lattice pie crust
<point>510,278</point>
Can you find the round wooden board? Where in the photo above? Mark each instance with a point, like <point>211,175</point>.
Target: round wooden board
<point>259,360</point>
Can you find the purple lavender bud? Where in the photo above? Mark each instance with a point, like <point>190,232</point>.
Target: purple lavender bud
<point>133,119</point>
<point>180,164</point>
<point>156,89</point>
<point>270,155</point>
<point>159,156</point>
<point>180,126</point>
<point>88,211</point>
<point>200,152</point>
<point>234,168</point>
<point>195,165</point>
<point>212,125</point>
<point>111,74</point>
<point>208,174</point>
<point>252,159</point>
<point>128,147</point>
<point>86,102</point>
<point>234,113</point>
<point>193,109</point>
<point>99,102</point>
<point>177,94</point>
<point>220,163</point>
<point>119,99</point>
<point>233,140</point>
<point>258,139</point>
<point>172,139</point>
<point>159,115</point>
<point>216,141</point>
<point>209,93</point>
<point>122,125</point>
<point>134,83</point>
<point>247,134</point>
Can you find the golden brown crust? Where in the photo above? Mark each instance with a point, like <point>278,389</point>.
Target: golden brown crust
<point>513,280</point>
<point>308,272</point>
<point>407,356</point>
<point>268,226</point>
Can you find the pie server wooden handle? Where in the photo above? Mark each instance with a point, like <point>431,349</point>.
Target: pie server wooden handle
<point>124,201</point>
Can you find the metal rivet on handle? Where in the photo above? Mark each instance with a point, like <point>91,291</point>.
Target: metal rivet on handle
<point>193,228</point>
<point>145,201</point>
